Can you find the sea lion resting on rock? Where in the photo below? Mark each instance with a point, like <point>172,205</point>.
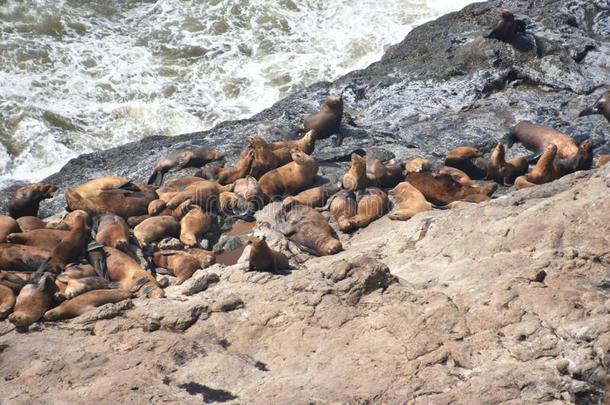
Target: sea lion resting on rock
<point>181,158</point>
<point>355,178</point>
<point>306,144</point>
<point>227,176</point>
<point>409,201</point>
<point>469,160</point>
<point>545,171</point>
<point>382,175</point>
<point>124,203</point>
<point>206,258</point>
<point>601,106</point>
<point>265,158</point>
<point>249,189</point>
<point>130,275</point>
<point>156,228</point>
<point>26,200</point>
<point>203,193</point>
<point>7,301</point>
<point>14,280</point>
<point>373,203</point>
<point>309,229</point>
<point>42,238</point>
<point>78,286</point>
<point>290,178</point>
<point>113,231</point>
<point>33,301</point>
<point>71,248</point>
<point>70,220</point>
<point>327,121</point>
<point>93,187</point>
<point>77,270</point>
<point>86,302</point>
<point>181,264</point>
<point>503,172</point>
<point>570,156</point>
<point>262,258</point>
<point>343,206</point>
<point>442,189</point>
<point>29,223</point>
<point>195,224</point>
<point>21,257</point>
<point>8,225</point>
<point>314,197</point>
<point>457,175</point>
<point>416,165</point>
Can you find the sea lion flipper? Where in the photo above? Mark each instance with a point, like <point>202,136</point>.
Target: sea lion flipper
<point>41,269</point>
<point>153,178</point>
<point>589,111</point>
<point>533,159</point>
<point>158,182</point>
<point>98,261</point>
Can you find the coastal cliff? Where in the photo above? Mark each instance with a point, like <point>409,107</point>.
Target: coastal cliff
<point>506,301</point>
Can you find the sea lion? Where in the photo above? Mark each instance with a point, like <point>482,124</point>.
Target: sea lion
<point>124,203</point>
<point>265,158</point>
<point>181,264</point>
<point>601,161</point>
<point>382,175</point>
<point>416,165</point>
<point>249,189</point>
<point>327,121</point>
<point>291,178</point>
<point>442,189</point>
<point>570,156</point>
<point>78,286</point>
<point>309,229</point>
<point>262,258</point>
<point>21,257</point>
<point>86,302</point>
<point>547,169</point>
<point>469,160</point>
<point>182,158</point>
<point>77,270</point>
<point>373,203</point>
<point>93,187</point>
<point>601,106</point>
<point>29,223</point>
<point>26,200</point>
<point>8,225</point>
<point>226,176</point>
<point>7,301</point>
<point>503,172</point>
<point>113,231</point>
<point>71,248</point>
<point>203,193</point>
<point>306,144</point>
<point>343,206</point>
<point>355,178</point>
<point>522,182</point>
<point>457,175</point>
<point>206,258</point>
<point>314,197</point>
<point>156,228</point>
<point>234,205</point>
<point>167,192</point>
<point>194,224</point>
<point>506,30</point>
<point>130,275</point>
<point>33,301</point>
<point>42,238</point>
<point>70,220</point>
<point>156,207</point>
<point>14,280</point>
<point>409,201</point>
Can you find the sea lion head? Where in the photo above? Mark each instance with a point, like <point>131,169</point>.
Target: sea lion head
<point>416,165</point>
<point>507,14</point>
<point>358,160</point>
<point>331,246</point>
<point>256,141</point>
<point>300,157</point>
<point>334,103</point>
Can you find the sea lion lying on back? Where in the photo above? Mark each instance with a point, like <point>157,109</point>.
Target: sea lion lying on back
<point>309,229</point>
<point>442,189</point>
<point>26,200</point>
<point>327,121</point>
<point>469,160</point>
<point>601,106</point>
<point>503,172</point>
<point>545,170</point>
<point>290,178</point>
<point>181,158</point>
<point>570,156</point>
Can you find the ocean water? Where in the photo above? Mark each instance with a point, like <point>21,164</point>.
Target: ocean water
<point>84,75</point>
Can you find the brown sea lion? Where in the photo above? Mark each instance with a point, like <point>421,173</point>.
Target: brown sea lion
<point>137,220</point>
<point>124,203</point>
<point>456,174</point>
<point>383,175</point>
<point>306,144</point>
<point>156,207</point>
<point>343,206</point>
<point>249,189</point>
<point>26,200</point>
<point>77,270</point>
<point>409,201</point>
<point>203,193</point>
<point>262,258</point>
<point>373,203</point>
<point>156,228</point>
<point>78,286</point>
<point>507,29</point>
<point>469,160</point>
<point>33,301</point>
<point>442,189</point>
<point>70,220</point>
<point>14,280</point>
<point>71,248</point>
<point>601,161</point>
<point>355,178</point>
<point>206,258</point>
<point>130,275</point>
<point>570,156</point>
<point>181,158</point>
<point>522,182</point>
<point>86,302</point>
<point>291,178</point>
<point>601,106</point>
<point>308,228</point>
<point>29,223</point>
<point>314,197</point>
<point>177,185</point>
<point>195,224</point>
<point>546,170</point>
<point>8,225</point>
<point>93,187</point>
<point>265,158</point>
<point>226,176</point>
<point>113,231</point>
<point>181,264</point>
<point>7,301</point>
<point>234,205</point>
<point>327,121</point>
<point>416,165</point>
<point>503,172</point>
<point>21,257</point>
<point>42,238</point>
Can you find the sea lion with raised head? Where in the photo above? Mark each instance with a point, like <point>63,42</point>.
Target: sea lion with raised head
<point>506,30</point>
<point>86,302</point>
<point>180,159</point>
<point>469,160</point>
<point>195,224</point>
<point>308,228</point>
<point>373,203</point>
<point>26,200</point>
<point>327,121</point>
<point>181,264</point>
<point>306,144</point>
<point>130,275</point>
<point>42,238</point>
<point>113,231</point>
<point>291,178</point>
<point>71,248</point>
<point>601,106</point>
<point>33,301</point>
<point>442,189</point>
<point>263,258</point>
<point>502,171</point>
<point>226,176</point>
<point>29,223</point>
<point>265,158</point>
<point>355,178</point>
<point>22,257</point>
<point>314,197</point>
<point>8,225</point>
<point>383,175</point>
<point>156,228</point>
<point>409,201</point>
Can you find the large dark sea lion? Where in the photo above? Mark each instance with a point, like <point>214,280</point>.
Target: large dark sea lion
<point>26,200</point>
<point>327,121</point>
<point>507,29</point>
<point>262,258</point>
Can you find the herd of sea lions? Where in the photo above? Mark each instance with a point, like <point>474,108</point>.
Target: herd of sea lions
<point>105,249</point>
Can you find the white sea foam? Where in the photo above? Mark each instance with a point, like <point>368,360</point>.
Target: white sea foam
<point>85,75</point>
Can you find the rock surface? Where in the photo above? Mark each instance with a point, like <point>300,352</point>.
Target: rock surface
<point>503,302</point>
